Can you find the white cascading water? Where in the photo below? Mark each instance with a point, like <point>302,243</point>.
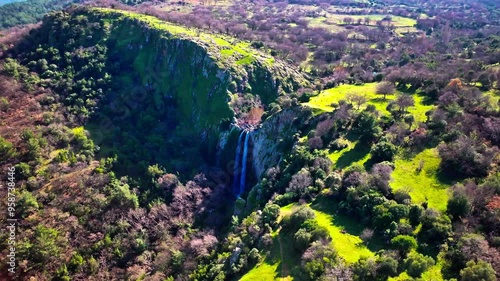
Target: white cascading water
<point>236,170</point>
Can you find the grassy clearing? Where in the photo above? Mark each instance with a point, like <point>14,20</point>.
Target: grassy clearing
<point>350,247</point>
<point>397,21</point>
<point>264,272</point>
<point>229,46</point>
<point>424,185</point>
<point>280,263</point>
<point>325,23</point>
<point>344,232</point>
<point>355,153</point>
<point>324,100</point>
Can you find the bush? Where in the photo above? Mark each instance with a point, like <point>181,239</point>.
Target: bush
<point>458,206</point>
<point>383,151</point>
<point>416,264</point>
<point>270,214</point>
<point>23,170</point>
<point>299,216</point>
<point>4,104</point>
<point>404,243</point>
<point>480,271</point>
<point>7,150</point>
<point>301,239</point>
<point>466,157</point>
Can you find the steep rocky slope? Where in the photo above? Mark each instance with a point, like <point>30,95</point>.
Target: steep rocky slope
<point>161,86</point>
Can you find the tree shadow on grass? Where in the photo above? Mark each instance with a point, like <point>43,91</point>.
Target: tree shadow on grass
<point>446,178</point>
<point>357,153</point>
<point>348,223</point>
<point>380,100</point>
<point>284,252</point>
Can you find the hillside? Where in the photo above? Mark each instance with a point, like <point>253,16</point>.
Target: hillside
<point>251,140</point>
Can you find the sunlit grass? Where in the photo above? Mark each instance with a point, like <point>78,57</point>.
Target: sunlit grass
<point>351,155</point>
<point>343,230</point>
<point>324,100</point>
<point>349,247</point>
<point>424,185</point>
<point>229,46</point>
<point>397,21</point>
<point>263,271</point>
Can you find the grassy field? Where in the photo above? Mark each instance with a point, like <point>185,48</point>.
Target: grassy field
<point>343,230</point>
<point>424,185</point>
<point>324,100</point>
<point>349,246</point>
<point>355,153</point>
<point>274,267</point>
<point>325,23</point>
<point>397,21</point>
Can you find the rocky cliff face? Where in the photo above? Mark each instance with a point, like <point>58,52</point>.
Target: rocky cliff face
<point>176,83</point>
<point>201,72</point>
<point>268,142</point>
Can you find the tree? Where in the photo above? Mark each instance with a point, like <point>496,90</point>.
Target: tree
<point>404,243</point>
<point>385,88</point>
<point>366,235</point>
<point>416,264</point>
<point>365,269</point>
<point>317,259</point>
<point>4,104</point>
<point>480,271</point>
<point>383,151</point>
<point>458,206</point>
<point>404,101</point>
<point>357,99</point>
<point>270,213</point>
<point>466,157</point>
<point>415,215</point>
<point>386,267</point>
<point>301,239</point>
<point>300,216</point>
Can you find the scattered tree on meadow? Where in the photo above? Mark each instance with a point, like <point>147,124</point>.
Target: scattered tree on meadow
<point>385,88</point>
<point>404,101</point>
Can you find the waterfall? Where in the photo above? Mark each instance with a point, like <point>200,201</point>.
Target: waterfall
<point>244,165</point>
<point>236,171</point>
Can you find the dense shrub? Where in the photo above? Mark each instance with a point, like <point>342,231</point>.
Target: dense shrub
<point>466,157</point>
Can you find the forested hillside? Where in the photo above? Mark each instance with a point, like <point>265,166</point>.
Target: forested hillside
<point>250,140</point>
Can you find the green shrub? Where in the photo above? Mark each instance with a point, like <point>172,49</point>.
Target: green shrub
<point>301,239</point>
<point>7,150</point>
<point>4,104</point>
<point>383,151</point>
<point>416,264</point>
<point>404,243</point>
<point>480,271</point>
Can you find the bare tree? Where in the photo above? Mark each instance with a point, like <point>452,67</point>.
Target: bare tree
<point>385,88</point>
<point>405,101</point>
<point>366,235</point>
<point>357,99</point>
